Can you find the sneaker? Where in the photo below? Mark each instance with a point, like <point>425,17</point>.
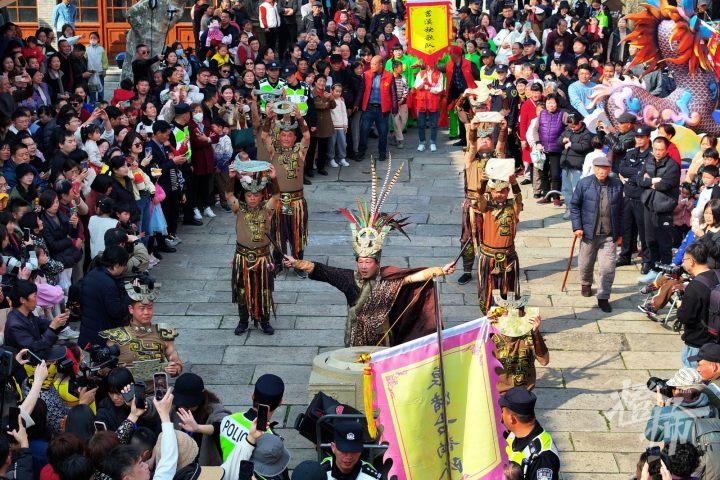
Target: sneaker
<point>196,215</point>
<point>209,213</point>
<point>172,240</point>
<point>648,277</point>
<point>68,333</point>
<point>465,278</point>
<point>344,163</point>
<point>333,163</point>
<point>650,312</point>
<point>649,288</point>
<point>400,144</point>
<point>433,147</point>
<point>421,147</point>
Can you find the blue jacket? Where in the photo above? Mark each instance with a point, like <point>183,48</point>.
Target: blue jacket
<point>64,14</point>
<point>585,204</point>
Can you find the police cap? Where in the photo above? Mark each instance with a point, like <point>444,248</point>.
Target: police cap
<point>289,70</point>
<point>528,42</point>
<point>710,352</point>
<point>269,390</point>
<point>348,437</point>
<point>502,68</point>
<point>272,65</point>
<point>627,117</point>
<point>181,108</point>
<point>487,53</point>
<point>643,131</point>
<point>519,400</point>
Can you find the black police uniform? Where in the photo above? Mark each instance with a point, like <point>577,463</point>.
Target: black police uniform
<point>536,61</point>
<point>378,22</point>
<point>512,97</point>
<point>633,213</point>
<point>348,438</point>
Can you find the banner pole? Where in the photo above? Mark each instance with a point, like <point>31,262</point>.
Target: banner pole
<point>443,391</point>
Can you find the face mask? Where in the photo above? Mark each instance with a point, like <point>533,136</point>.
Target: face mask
<point>198,117</point>
<point>93,42</point>
<point>179,52</point>
<point>246,108</point>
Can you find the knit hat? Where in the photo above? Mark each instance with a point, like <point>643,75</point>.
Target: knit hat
<point>187,449</point>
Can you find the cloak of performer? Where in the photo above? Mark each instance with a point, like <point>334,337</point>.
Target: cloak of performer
<point>252,269</point>
<point>386,305</point>
<point>288,158</point>
<point>497,219</point>
<point>485,131</point>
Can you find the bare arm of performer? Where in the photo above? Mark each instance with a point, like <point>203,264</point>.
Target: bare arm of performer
<point>428,273</point>
<point>471,145</point>
<point>541,351</point>
<point>305,140</point>
<point>265,130</point>
<point>175,367</point>
<point>255,113</point>
<point>270,205</point>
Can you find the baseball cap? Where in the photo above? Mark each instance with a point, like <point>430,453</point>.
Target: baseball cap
<point>348,437</point>
<point>602,162</point>
<point>316,3</point>
<point>272,65</point>
<point>627,117</point>
<point>188,391</point>
<point>709,352</point>
<point>519,400</point>
<point>643,131</point>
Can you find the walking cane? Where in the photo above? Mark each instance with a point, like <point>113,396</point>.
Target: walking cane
<point>567,270</point>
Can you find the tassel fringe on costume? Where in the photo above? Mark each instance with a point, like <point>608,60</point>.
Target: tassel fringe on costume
<point>252,281</point>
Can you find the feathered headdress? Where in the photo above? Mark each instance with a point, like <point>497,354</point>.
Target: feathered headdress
<point>369,225</point>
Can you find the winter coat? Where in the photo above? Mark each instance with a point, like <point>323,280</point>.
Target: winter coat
<point>58,235</point>
<point>585,205</point>
<point>203,162</point>
<point>104,305</point>
<point>550,126</point>
<point>663,198</point>
<point>323,107</point>
<point>573,157</point>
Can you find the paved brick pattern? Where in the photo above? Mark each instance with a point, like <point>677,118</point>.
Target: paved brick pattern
<point>585,398</point>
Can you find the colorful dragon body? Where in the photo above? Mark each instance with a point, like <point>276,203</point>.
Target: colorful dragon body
<point>674,37</point>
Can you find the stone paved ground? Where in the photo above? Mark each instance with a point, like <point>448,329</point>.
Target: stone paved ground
<point>593,355</point>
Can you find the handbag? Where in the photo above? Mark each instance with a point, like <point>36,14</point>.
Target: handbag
<point>538,158</point>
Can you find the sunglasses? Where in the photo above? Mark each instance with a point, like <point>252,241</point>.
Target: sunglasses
<point>137,144</point>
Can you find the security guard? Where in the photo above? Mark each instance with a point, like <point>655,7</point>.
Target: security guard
<point>271,82</point>
<point>347,446</point>
<point>507,98</point>
<point>528,444</point>
<point>622,140</point>
<point>487,71</point>
<point>531,57</point>
<point>294,90</point>
<point>269,390</point>
<point>633,214</point>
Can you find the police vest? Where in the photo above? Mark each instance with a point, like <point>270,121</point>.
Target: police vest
<point>367,471</point>
<point>266,86</point>
<point>300,89</point>
<point>233,430</point>
<point>526,456</point>
<point>486,77</point>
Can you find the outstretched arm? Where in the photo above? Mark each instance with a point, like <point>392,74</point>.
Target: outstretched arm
<point>428,273</point>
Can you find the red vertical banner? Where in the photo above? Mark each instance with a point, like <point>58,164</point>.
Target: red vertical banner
<point>429,28</point>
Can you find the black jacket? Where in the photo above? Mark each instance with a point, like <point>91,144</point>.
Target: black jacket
<point>574,156</point>
<point>585,205</point>
<point>28,332</point>
<point>630,168</point>
<point>104,305</point>
<point>58,239</point>
<point>123,194</point>
<point>664,197</point>
<point>693,311</point>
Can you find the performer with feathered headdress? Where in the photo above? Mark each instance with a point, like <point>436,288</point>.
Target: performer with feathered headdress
<point>386,305</point>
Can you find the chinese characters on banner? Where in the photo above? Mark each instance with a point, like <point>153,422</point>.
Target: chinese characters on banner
<point>428,29</point>
<point>409,399</point>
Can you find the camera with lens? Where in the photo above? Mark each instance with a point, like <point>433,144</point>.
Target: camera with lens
<point>674,270</point>
<point>103,356</point>
<point>665,389</point>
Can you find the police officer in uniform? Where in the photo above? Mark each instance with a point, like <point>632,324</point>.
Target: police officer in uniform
<point>294,90</point>
<point>271,82</point>
<point>633,223</point>
<point>528,444</point>
<point>380,19</point>
<point>234,429</point>
<point>508,99</point>
<point>347,447</point>
<point>621,141</point>
<point>487,71</point>
<point>531,57</point>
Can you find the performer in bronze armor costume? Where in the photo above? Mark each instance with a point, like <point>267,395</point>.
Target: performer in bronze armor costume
<point>288,158</point>
<point>252,270</point>
<point>486,134</point>
<point>498,266</point>
<point>386,305</point>
<point>144,348</point>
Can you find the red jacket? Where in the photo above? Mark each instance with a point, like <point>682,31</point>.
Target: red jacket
<point>388,93</point>
<point>466,68</point>
<point>424,99</point>
<point>674,153</point>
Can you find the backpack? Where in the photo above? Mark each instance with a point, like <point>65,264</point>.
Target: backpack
<point>321,405</point>
<point>706,437</point>
<point>713,324</point>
